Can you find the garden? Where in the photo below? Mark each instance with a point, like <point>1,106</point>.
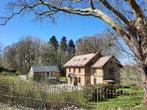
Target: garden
<point>35,95</point>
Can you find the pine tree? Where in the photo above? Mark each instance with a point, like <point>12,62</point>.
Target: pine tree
<point>63,44</point>
<point>71,48</point>
<point>53,41</point>
<point>50,56</point>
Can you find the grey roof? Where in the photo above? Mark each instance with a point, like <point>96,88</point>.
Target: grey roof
<point>45,69</point>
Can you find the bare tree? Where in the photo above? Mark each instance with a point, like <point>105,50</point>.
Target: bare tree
<point>105,43</point>
<point>131,26</point>
<point>23,54</point>
<point>10,57</point>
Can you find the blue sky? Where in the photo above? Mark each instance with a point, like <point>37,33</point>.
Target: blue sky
<point>71,26</point>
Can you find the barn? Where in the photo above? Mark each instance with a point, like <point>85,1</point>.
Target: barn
<point>44,72</point>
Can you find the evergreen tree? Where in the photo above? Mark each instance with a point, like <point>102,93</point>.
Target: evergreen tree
<point>71,48</point>
<point>63,44</point>
<point>53,41</point>
<point>50,57</point>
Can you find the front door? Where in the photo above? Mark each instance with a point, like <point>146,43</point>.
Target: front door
<point>75,81</point>
<point>71,80</point>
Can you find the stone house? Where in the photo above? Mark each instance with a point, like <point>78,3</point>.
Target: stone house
<point>92,69</point>
<point>43,72</point>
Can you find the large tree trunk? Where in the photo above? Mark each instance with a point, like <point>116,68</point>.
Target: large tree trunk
<point>144,79</point>
<point>144,66</point>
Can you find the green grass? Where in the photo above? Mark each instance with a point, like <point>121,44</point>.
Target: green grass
<point>121,101</point>
<point>63,79</point>
<point>8,77</point>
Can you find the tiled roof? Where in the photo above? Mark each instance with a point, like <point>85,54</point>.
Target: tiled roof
<point>80,60</point>
<point>45,69</point>
<point>103,60</point>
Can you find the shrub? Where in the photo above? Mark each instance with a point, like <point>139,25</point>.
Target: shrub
<point>33,94</point>
<point>99,93</point>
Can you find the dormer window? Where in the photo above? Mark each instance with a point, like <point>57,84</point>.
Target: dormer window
<point>74,60</point>
<point>78,60</point>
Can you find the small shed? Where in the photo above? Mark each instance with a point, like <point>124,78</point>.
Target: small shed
<point>44,72</point>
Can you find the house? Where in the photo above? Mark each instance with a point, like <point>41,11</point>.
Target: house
<point>92,69</point>
<point>43,72</point>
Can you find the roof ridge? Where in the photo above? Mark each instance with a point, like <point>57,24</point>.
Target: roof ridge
<point>44,65</point>
<point>103,60</point>
<point>85,54</point>
<point>81,60</point>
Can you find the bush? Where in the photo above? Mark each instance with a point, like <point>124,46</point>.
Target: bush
<point>99,93</point>
<point>36,95</point>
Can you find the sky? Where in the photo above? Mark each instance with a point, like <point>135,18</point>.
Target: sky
<point>71,26</point>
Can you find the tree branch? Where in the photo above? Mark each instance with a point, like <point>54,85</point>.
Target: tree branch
<point>7,19</point>
<point>84,12</point>
<point>99,14</point>
<point>136,8</point>
<point>91,4</point>
<point>90,12</point>
<point>115,11</point>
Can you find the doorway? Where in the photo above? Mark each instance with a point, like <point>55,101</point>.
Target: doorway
<point>75,81</point>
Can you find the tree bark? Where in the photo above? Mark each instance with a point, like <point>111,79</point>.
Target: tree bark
<point>144,69</point>
<point>144,79</point>
<point>144,65</point>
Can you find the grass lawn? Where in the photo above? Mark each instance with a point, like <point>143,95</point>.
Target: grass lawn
<point>8,77</point>
<point>126,102</point>
<point>63,79</point>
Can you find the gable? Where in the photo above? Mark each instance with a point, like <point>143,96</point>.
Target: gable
<point>103,60</point>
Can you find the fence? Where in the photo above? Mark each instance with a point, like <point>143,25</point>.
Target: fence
<point>41,95</point>
<point>64,97</point>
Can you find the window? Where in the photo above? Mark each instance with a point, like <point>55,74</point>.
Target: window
<point>88,81</point>
<point>70,80</point>
<point>79,70</point>
<point>48,74</point>
<point>74,69</point>
<point>69,70</point>
<point>94,70</point>
<point>94,80</point>
<point>79,80</point>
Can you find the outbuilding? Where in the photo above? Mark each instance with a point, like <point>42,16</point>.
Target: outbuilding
<point>44,72</point>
